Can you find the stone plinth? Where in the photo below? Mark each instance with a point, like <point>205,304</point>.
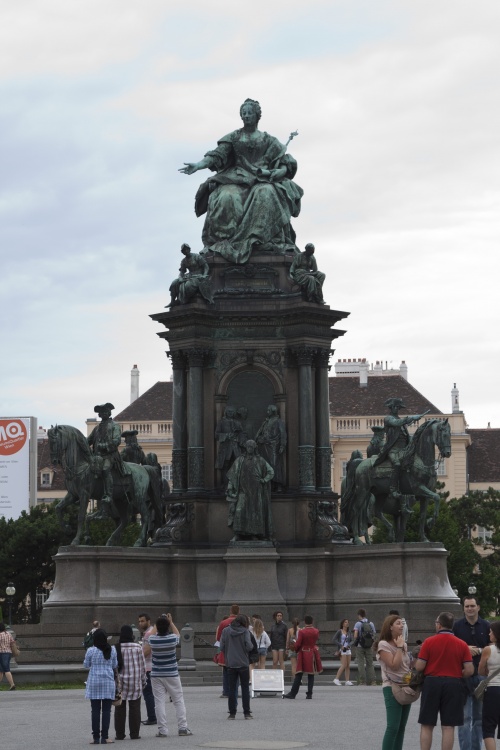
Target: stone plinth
<point>112,584</point>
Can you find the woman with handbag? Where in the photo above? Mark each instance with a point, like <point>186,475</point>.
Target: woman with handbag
<point>490,661</point>
<point>7,644</point>
<point>395,661</point>
<point>343,640</point>
<point>132,673</point>
<point>100,688</point>
<point>263,642</point>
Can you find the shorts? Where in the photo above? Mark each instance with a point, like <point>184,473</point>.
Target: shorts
<point>491,711</point>
<point>5,658</point>
<point>442,696</point>
<point>273,648</point>
<point>262,651</point>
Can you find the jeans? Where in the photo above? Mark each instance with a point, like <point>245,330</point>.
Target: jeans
<point>397,716</point>
<point>244,675</point>
<point>149,698</point>
<point>366,673</point>
<point>470,735</point>
<point>95,710</point>
<point>134,719</point>
<point>225,684</point>
<point>162,688</point>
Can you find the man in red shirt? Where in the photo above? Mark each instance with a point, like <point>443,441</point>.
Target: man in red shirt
<point>234,612</point>
<point>445,660</point>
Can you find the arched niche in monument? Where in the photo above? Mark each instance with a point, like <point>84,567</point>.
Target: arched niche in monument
<point>251,392</point>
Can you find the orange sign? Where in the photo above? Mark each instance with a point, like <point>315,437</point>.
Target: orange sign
<point>13,436</point>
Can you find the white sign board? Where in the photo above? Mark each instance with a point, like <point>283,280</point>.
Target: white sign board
<point>267,681</point>
<point>14,466</point>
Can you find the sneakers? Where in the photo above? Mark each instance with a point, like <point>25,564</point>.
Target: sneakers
<point>149,722</point>
<point>337,682</point>
<point>349,683</point>
<point>232,716</point>
<point>185,732</point>
<point>159,734</point>
<point>248,716</point>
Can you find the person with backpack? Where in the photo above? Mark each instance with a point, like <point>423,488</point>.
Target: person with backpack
<point>88,639</point>
<point>364,638</point>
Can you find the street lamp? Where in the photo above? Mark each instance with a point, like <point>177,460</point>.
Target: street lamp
<point>472,589</point>
<point>10,591</point>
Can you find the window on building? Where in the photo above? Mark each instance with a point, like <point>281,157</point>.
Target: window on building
<point>484,534</point>
<point>344,469</point>
<point>166,472</point>
<point>441,468</point>
<point>45,478</point>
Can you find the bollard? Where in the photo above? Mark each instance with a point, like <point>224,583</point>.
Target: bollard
<point>187,660</point>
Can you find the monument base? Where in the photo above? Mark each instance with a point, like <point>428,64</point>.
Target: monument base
<point>112,584</point>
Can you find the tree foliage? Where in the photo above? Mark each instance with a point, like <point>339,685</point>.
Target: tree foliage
<point>455,528</point>
<point>27,547</point>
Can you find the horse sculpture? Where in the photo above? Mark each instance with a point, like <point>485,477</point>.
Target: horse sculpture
<point>366,493</point>
<point>140,492</point>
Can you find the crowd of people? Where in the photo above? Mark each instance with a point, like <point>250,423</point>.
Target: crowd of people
<point>120,675</point>
<point>447,672</point>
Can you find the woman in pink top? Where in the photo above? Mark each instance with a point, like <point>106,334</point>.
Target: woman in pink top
<point>392,652</point>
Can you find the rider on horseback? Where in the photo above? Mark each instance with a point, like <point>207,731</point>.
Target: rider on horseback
<point>104,441</point>
<point>396,441</point>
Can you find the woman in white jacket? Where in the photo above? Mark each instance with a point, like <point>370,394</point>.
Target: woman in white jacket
<point>263,642</point>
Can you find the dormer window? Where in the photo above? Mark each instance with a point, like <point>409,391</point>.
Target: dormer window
<point>46,479</point>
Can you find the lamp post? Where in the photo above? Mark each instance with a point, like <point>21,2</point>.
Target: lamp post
<point>472,589</point>
<point>10,591</point>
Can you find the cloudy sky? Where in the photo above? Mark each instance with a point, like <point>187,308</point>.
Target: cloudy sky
<point>101,101</point>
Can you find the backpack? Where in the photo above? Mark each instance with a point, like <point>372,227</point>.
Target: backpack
<point>366,638</point>
<point>88,641</point>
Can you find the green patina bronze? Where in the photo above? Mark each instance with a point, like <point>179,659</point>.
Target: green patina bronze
<point>250,200</point>
<point>249,494</point>
<point>304,271</point>
<point>193,279</point>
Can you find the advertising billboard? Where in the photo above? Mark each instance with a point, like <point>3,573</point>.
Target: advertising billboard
<point>14,466</point>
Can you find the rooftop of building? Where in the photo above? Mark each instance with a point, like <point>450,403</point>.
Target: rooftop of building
<point>349,399</point>
<point>483,455</point>
<point>155,404</point>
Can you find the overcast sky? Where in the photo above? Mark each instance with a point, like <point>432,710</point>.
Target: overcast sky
<point>101,101</point>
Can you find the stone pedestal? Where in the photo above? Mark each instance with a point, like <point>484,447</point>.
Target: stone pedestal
<point>258,568</point>
<point>112,584</point>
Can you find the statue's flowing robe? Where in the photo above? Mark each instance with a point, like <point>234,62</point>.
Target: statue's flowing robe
<point>270,438</point>
<point>251,511</point>
<point>244,209</point>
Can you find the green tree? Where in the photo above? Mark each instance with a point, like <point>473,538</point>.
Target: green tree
<point>455,526</point>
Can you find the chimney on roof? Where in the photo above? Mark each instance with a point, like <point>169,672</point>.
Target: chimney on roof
<point>403,370</point>
<point>134,384</point>
<point>363,373</point>
<point>455,400</point>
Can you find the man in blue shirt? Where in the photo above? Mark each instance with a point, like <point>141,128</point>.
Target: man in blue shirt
<point>165,675</point>
<point>475,632</point>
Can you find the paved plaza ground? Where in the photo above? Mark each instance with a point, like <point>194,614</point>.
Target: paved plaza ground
<point>340,718</point>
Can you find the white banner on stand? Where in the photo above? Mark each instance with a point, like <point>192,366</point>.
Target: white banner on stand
<point>14,466</point>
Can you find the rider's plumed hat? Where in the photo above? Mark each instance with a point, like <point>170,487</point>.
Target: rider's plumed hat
<point>103,407</point>
<point>398,402</point>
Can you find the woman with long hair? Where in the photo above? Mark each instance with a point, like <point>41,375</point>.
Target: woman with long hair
<point>263,642</point>
<point>291,640</point>
<point>490,660</point>
<point>102,661</point>
<point>395,661</point>
<point>343,640</point>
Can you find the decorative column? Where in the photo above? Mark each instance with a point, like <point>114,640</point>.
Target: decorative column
<point>323,448</point>
<point>196,450</point>
<point>179,448</point>
<point>307,483</point>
